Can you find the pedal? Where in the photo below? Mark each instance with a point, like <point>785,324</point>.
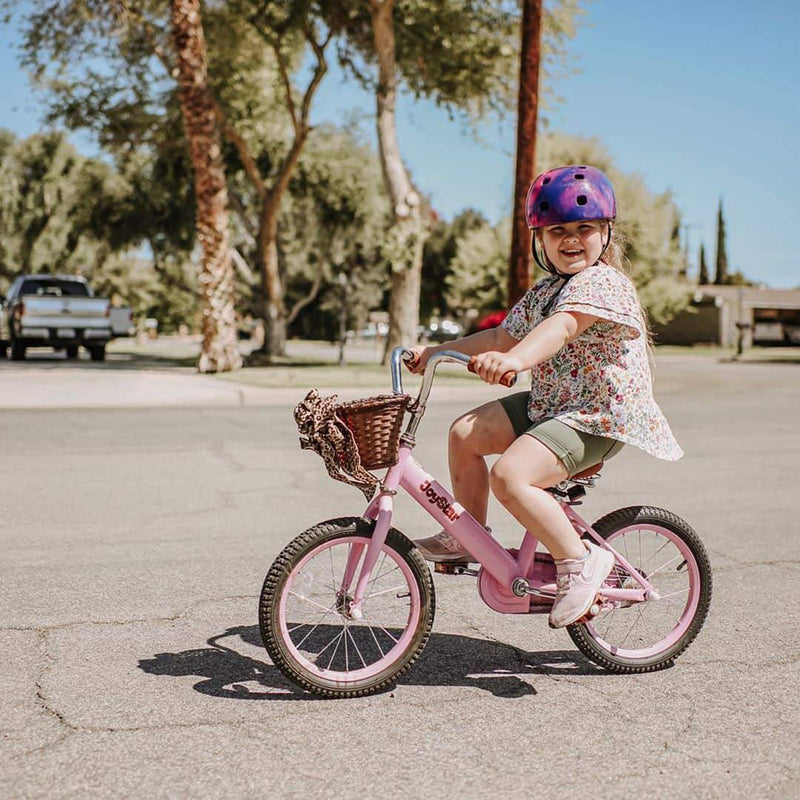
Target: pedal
<point>594,609</point>
<point>453,569</point>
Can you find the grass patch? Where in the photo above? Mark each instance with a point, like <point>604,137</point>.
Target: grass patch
<point>301,374</point>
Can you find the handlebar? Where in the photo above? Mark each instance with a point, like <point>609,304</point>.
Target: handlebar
<point>410,358</point>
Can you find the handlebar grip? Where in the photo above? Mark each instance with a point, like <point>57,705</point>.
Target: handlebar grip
<point>507,380</point>
<point>410,360</point>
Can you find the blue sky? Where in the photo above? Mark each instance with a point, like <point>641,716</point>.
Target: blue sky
<point>700,98</point>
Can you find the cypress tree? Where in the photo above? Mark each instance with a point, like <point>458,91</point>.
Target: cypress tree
<point>702,277</point>
<point>722,257</point>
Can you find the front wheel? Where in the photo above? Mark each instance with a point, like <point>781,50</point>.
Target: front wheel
<point>650,635</point>
<point>305,615</point>
<point>17,350</point>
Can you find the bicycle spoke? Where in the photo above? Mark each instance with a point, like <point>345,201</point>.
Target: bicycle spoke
<point>309,601</point>
<point>335,649</point>
<point>298,645</point>
<point>385,591</point>
<point>666,564</point>
<point>352,639</point>
<point>672,594</point>
<point>377,643</point>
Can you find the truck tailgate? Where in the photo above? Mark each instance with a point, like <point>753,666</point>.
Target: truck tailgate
<point>77,311</point>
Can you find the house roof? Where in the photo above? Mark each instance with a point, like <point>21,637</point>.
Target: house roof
<point>750,296</point>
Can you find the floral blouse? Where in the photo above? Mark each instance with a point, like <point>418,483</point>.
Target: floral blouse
<point>600,382</point>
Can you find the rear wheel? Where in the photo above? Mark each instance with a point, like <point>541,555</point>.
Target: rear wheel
<point>97,352</point>
<point>306,621</point>
<point>72,351</point>
<point>650,635</point>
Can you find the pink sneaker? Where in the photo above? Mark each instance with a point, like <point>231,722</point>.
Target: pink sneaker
<point>578,582</point>
<point>443,549</point>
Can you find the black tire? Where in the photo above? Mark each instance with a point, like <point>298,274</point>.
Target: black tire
<point>275,583</point>
<point>648,515</point>
<point>97,352</point>
<point>17,350</point>
<point>3,348</point>
<point>72,351</point>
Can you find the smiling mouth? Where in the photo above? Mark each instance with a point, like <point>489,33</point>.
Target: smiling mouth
<point>572,252</point>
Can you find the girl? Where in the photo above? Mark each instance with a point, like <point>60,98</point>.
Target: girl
<point>581,331</point>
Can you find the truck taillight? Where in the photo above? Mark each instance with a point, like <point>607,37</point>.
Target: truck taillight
<point>19,310</point>
<point>108,310</point>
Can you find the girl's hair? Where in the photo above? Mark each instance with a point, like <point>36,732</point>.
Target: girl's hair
<point>615,257</point>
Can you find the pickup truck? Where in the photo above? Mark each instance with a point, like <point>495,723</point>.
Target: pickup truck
<point>56,311</point>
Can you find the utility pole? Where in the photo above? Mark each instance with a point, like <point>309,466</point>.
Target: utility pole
<point>519,276</point>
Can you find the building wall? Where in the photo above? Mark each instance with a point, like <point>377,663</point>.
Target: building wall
<point>695,325</point>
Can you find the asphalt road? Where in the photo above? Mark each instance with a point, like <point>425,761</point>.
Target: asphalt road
<point>133,544</point>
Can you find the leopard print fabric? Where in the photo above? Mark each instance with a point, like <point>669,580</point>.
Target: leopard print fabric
<point>322,431</point>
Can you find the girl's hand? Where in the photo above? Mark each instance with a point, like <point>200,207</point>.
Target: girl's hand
<point>423,354</point>
<point>491,366</point>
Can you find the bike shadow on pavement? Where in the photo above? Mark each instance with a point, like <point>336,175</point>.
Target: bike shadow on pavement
<point>447,660</point>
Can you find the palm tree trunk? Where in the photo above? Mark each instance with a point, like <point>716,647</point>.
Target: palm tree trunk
<point>220,350</point>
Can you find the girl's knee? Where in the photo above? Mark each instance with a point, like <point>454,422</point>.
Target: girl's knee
<point>504,481</point>
<point>461,429</point>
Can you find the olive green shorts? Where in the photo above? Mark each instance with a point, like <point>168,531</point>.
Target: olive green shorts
<point>577,450</point>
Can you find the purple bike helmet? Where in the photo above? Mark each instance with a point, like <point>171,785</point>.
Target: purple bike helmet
<point>569,194</point>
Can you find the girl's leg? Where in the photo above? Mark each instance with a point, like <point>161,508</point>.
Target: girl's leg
<point>518,480</point>
<point>483,431</point>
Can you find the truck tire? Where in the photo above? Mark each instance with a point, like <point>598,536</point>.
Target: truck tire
<point>72,351</point>
<point>97,352</point>
<point>17,350</point>
<point>3,348</point>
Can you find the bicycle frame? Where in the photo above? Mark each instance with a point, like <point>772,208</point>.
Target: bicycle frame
<point>507,581</point>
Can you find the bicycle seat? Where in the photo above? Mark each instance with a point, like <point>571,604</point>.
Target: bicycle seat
<point>595,470</point>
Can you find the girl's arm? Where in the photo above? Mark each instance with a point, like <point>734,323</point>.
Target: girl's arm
<point>494,339</point>
<point>541,344</point>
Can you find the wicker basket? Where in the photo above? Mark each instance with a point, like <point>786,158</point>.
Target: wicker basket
<point>376,423</point>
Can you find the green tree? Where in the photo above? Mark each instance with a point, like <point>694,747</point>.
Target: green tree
<point>109,67</point>
<point>721,275</point>
<point>63,212</point>
<point>440,249</point>
<point>702,277</point>
<point>462,54</point>
<point>479,269</point>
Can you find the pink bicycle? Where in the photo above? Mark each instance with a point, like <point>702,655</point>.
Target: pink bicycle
<point>348,605</point>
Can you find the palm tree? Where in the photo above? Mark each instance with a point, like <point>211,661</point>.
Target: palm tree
<point>219,350</point>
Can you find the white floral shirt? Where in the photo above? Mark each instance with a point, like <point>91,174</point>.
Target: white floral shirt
<point>600,382</point>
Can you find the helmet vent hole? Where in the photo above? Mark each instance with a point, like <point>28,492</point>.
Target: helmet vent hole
<point>579,176</point>
<point>581,200</point>
<point>582,166</point>
<point>544,205</point>
<point>546,181</point>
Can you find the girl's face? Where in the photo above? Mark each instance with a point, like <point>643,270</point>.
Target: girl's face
<point>574,246</point>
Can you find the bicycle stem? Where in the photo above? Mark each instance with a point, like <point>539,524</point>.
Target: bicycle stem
<point>417,408</point>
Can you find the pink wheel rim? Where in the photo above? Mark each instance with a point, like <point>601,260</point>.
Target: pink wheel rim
<point>687,613</point>
<point>339,678</point>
